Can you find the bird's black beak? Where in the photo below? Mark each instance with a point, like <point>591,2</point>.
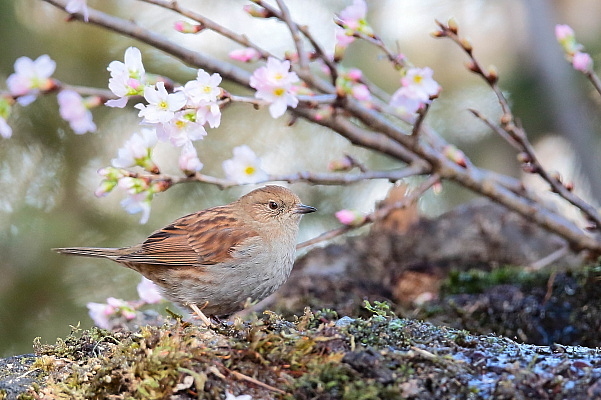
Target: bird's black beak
<point>303,209</point>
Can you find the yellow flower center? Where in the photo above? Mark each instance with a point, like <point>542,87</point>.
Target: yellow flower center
<point>163,105</point>
<point>279,91</point>
<point>249,170</point>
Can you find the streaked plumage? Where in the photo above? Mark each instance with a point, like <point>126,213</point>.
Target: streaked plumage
<point>219,257</point>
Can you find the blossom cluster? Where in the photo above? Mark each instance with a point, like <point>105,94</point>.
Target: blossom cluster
<point>418,88</point>
<point>580,60</point>
<point>32,77</point>
<point>179,116</point>
<point>115,312</point>
<point>351,22</point>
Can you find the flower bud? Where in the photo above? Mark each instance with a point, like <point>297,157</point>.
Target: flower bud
<point>492,74</point>
<point>187,27</point>
<point>341,165</point>
<point>466,44</point>
<point>257,12</point>
<point>524,158</point>
<point>454,154</point>
<point>350,217</point>
<point>452,24</point>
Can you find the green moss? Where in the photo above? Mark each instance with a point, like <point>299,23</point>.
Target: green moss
<point>312,356</point>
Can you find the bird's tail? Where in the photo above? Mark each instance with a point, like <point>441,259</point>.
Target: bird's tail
<point>101,252</point>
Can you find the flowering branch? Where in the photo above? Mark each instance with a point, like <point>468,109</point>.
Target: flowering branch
<point>515,133</point>
<point>340,99</point>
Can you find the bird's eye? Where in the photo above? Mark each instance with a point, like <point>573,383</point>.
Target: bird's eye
<point>273,205</point>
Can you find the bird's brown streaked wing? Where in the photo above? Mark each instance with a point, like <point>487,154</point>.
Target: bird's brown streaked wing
<point>203,238</point>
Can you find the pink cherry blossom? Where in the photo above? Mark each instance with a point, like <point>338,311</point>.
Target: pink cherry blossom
<point>75,6</point>
<point>273,83</point>
<point>563,32</point>
<point>405,104</point>
<point>100,314</point>
<point>161,105</point>
<point>209,113</point>
<point>5,109</point>
<point>351,20</point>
<point>351,16</point>
<point>148,291</point>
<point>138,203</point>
<point>188,160</point>
<point>421,83</point>
<point>127,78</point>
<point>205,88</point>
<point>73,110</point>
<point>5,129</point>
<point>183,128</point>
<point>361,92</point>
<point>30,77</point>
<point>137,150</point>
<point>244,167</point>
<point>247,54</point>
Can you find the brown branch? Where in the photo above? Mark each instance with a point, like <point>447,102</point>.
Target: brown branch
<point>376,214</point>
<point>209,24</point>
<point>321,53</point>
<point>131,29</point>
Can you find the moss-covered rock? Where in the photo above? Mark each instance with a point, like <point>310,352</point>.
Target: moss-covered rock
<point>314,356</point>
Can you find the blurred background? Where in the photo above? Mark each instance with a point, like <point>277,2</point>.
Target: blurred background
<point>48,174</point>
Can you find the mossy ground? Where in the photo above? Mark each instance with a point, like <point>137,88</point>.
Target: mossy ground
<point>314,356</point>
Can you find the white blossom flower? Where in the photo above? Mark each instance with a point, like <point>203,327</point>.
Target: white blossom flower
<point>208,113</point>
<point>136,203</point>
<point>273,83</point>
<point>183,128</point>
<point>74,6</point>
<point>161,106</point>
<point>188,160</point>
<point>205,88</point>
<point>73,110</point>
<point>128,78</point>
<point>244,167</point>
<point>137,150</point>
<point>30,77</point>
<point>5,130</point>
<point>420,83</point>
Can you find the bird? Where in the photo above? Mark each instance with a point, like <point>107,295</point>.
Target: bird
<point>215,260</point>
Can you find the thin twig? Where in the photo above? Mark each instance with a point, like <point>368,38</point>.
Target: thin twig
<point>420,119</point>
<point>303,60</point>
<point>308,177</point>
<point>247,378</point>
<point>595,81</point>
<point>210,24</point>
<point>375,215</point>
<point>321,53</point>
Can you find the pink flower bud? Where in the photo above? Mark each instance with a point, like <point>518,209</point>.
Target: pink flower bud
<point>582,62</point>
<point>350,217</point>
<point>563,32</point>
<point>361,92</point>
<point>257,12</point>
<point>354,74</point>
<point>186,27</point>
<point>247,54</point>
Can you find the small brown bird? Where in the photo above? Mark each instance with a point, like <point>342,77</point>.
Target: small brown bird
<point>216,259</point>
